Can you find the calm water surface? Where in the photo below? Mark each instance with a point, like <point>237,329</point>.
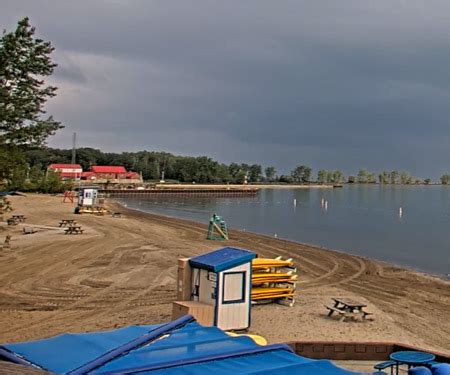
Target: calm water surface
<point>361,220</point>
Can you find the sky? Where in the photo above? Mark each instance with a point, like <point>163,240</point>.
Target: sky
<point>345,84</point>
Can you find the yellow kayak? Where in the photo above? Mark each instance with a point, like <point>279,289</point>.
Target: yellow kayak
<point>256,338</point>
<point>273,277</point>
<point>271,293</point>
<point>265,263</point>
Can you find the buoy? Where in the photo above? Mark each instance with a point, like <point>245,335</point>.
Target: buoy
<point>326,205</point>
<point>322,202</point>
<point>400,212</point>
<point>295,202</point>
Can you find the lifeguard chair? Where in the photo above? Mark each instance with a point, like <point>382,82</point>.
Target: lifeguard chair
<point>217,229</point>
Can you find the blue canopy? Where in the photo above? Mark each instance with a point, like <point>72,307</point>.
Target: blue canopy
<point>179,347</point>
<point>222,259</point>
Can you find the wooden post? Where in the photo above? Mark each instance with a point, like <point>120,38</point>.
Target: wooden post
<point>6,244</point>
<point>184,284</point>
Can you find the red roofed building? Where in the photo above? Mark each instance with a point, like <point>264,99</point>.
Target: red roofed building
<point>113,173</point>
<point>66,171</point>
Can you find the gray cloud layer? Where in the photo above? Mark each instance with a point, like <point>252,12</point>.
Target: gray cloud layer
<point>335,84</point>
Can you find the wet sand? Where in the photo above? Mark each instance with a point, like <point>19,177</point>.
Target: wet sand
<point>122,271</point>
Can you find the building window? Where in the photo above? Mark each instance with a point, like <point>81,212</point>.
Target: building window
<point>233,287</point>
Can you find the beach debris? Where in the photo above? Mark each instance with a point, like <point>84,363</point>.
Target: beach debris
<point>217,229</point>
<point>28,230</point>
<point>6,244</point>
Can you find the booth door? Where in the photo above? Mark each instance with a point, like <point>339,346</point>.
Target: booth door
<point>234,298</point>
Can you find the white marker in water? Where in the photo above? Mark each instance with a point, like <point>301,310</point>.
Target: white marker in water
<point>322,202</point>
<point>400,212</point>
<point>326,206</point>
<point>295,202</point>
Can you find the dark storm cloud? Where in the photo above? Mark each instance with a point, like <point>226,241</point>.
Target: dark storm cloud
<point>345,84</point>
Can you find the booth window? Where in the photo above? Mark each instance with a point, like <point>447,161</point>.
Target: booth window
<point>233,287</point>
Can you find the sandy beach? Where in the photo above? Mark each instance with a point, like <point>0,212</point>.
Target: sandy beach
<point>122,271</point>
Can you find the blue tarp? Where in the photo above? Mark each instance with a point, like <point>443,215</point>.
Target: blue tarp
<point>222,259</point>
<point>189,348</point>
<point>69,351</point>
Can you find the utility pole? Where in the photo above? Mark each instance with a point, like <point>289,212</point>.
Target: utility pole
<point>74,145</point>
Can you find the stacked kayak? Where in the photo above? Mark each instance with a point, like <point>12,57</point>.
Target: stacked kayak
<point>273,280</point>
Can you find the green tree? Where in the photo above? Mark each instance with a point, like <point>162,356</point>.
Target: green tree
<point>322,176</point>
<point>254,173</point>
<point>270,173</point>
<point>301,173</point>
<point>393,177</point>
<point>445,179</point>
<point>427,181</point>
<point>24,60</point>
<point>383,177</point>
<point>338,176</point>
<point>405,178</point>
<point>363,175</point>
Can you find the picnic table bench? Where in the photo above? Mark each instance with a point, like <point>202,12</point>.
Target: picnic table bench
<point>65,222</point>
<point>19,218</point>
<point>348,308</point>
<point>12,221</point>
<point>74,229</point>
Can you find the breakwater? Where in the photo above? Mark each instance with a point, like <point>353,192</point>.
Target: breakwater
<point>149,193</point>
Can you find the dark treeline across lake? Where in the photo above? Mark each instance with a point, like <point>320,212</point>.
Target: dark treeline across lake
<point>362,220</point>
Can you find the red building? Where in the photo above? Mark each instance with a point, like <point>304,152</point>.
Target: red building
<point>67,171</point>
<point>110,173</point>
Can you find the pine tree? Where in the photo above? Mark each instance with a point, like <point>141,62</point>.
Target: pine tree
<point>24,61</point>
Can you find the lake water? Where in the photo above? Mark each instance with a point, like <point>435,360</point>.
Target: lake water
<point>361,220</point>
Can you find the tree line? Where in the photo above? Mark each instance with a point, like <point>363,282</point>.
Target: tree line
<point>202,169</point>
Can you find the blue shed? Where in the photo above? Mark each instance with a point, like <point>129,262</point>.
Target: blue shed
<point>222,278</point>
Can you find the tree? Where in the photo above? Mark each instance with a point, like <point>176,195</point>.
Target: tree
<point>383,177</point>
<point>322,176</point>
<point>445,179</point>
<point>393,177</point>
<point>23,61</point>
<point>338,176</point>
<point>270,173</point>
<point>405,178</point>
<point>363,176</point>
<point>254,173</point>
<point>427,181</point>
<point>301,173</point>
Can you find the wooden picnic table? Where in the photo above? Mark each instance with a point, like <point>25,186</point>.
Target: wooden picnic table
<point>348,308</point>
<point>65,222</point>
<point>74,229</point>
<point>20,218</point>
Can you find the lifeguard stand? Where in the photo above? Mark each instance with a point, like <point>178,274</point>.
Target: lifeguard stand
<point>217,229</point>
<point>88,196</point>
<point>219,288</point>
